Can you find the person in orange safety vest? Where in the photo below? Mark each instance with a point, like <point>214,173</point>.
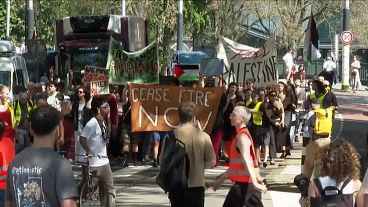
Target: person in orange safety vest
<point>7,152</point>
<point>243,167</point>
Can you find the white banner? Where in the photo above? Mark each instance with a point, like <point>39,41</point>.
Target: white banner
<point>243,62</point>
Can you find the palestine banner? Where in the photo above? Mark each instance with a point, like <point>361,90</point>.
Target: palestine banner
<point>243,62</point>
<point>155,107</point>
<point>311,41</point>
<point>135,67</point>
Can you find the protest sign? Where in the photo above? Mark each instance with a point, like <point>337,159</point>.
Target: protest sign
<point>97,78</point>
<point>243,62</point>
<point>135,67</point>
<point>99,87</point>
<point>155,107</point>
<point>93,73</point>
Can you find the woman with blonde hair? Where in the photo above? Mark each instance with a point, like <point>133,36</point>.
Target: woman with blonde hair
<point>7,149</point>
<point>339,166</point>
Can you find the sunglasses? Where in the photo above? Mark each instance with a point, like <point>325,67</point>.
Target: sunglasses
<point>105,105</point>
<point>80,92</point>
<point>273,95</point>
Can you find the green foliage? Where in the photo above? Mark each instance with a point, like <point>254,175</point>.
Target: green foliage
<point>202,19</point>
<point>17,23</point>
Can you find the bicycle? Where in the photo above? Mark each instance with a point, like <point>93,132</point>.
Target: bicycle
<point>91,186</point>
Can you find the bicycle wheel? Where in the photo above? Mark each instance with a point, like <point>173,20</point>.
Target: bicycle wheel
<point>92,191</point>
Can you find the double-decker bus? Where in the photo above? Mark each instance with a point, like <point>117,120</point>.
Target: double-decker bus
<point>84,40</point>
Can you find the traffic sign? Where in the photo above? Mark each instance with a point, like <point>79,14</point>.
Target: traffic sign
<point>346,37</point>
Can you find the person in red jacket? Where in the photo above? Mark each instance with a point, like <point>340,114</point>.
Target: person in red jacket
<point>243,167</point>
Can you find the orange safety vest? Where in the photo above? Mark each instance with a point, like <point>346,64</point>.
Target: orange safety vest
<point>238,171</point>
<point>7,152</point>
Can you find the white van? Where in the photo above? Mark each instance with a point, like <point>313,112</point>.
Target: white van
<point>13,69</point>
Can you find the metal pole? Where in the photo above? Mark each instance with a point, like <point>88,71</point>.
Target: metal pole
<point>179,43</point>
<point>7,19</point>
<point>123,7</point>
<point>345,48</point>
<point>30,20</point>
<point>336,54</point>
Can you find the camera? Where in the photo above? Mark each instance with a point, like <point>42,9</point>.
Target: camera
<point>302,182</point>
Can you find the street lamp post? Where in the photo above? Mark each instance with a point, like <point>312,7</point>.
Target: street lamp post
<point>30,24</point>
<point>7,19</point>
<point>123,7</point>
<point>346,48</point>
<point>179,43</point>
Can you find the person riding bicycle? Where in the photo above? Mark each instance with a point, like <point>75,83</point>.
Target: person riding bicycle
<point>94,139</point>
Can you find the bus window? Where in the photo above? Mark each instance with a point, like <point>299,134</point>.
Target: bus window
<point>5,78</point>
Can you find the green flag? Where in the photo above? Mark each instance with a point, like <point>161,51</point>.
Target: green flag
<point>137,67</point>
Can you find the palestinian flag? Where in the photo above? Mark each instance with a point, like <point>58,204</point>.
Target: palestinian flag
<point>311,52</point>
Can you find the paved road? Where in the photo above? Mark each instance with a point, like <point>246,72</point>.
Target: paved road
<point>136,186</point>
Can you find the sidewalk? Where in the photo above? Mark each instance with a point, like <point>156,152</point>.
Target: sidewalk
<point>360,92</point>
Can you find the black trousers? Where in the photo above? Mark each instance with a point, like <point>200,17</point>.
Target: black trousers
<point>243,194</point>
<point>190,197</point>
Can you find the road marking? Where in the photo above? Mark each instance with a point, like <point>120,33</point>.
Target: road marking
<point>129,171</point>
<point>339,117</point>
<point>282,199</point>
<point>216,171</point>
<point>291,170</point>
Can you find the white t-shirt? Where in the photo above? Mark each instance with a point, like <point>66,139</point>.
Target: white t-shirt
<point>329,65</point>
<point>93,133</point>
<point>288,59</point>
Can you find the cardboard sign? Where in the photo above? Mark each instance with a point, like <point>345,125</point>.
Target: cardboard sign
<point>155,107</point>
<point>93,73</point>
<point>99,87</point>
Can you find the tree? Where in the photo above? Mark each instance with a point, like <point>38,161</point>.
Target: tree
<point>17,23</point>
<point>359,19</point>
<point>162,17</point>
<point>228,17</point>
<point>290,17</point>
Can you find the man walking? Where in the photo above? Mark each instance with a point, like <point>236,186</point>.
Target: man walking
<point>201,155</point>
<point>94,140</point>
<point>318,141</point>
<point>329,68</point>
<point>39,176</point>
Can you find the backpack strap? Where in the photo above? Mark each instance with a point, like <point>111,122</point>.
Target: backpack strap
<point>321,190</point>
<point>319,186</point>
<point>346,182</point>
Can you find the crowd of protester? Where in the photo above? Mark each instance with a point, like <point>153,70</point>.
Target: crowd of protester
<point>279,115</point>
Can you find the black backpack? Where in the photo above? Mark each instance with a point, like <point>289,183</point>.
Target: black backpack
<point>174,166</point>
<point>331,196</point>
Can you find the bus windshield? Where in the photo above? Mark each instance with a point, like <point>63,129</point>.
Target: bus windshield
<point>93,58</point>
